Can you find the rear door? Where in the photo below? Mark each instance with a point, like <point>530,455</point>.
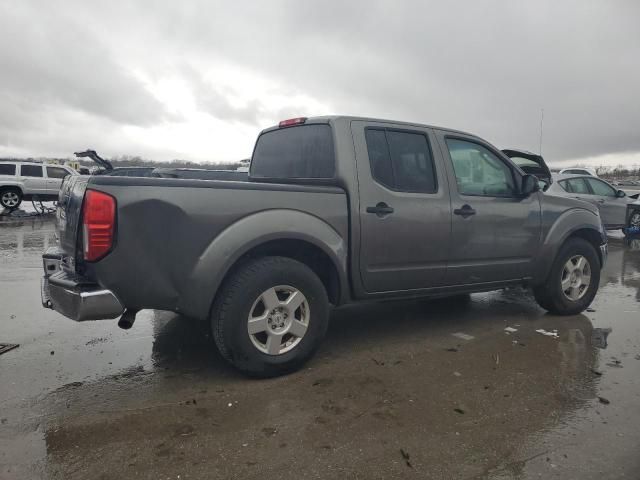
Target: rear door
<point>33,179</point>
<point>404,213</point>
<point>495,231</point>
<point>612,208</point>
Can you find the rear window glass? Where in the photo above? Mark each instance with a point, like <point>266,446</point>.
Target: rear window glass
<point>31,171</point>
<point>7,169</point>
<point>295,152</point>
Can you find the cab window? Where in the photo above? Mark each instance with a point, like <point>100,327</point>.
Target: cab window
<point>479,171</point>
<point>401,160</point>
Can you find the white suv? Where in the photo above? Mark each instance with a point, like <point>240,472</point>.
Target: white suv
<point>28,180</point>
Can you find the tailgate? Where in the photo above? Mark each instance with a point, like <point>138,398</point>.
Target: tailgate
<point>68,212</point>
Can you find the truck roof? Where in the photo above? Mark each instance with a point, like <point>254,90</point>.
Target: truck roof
<point>330,118</point>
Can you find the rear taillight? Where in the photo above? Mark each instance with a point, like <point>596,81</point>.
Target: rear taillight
<point>99,218</point>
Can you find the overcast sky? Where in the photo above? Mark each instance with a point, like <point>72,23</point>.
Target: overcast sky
<point>197,80</point>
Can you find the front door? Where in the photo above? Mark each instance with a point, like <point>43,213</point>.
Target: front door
<point>404,211</point>
<point>613,209</point>
<point>495,231</point>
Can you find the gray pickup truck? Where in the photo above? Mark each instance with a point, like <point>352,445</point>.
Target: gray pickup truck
<point>335,210</point>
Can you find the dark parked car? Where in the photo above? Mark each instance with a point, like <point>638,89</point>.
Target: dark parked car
<point>336,210</point>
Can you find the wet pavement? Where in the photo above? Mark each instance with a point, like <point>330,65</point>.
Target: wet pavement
<point>423,389</point>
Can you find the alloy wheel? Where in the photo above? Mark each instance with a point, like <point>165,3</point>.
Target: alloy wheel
<point>10,199</point>
<point>576,277</point>
<point>278,319</point>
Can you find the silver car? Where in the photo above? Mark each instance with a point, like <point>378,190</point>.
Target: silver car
<point>613,203</point>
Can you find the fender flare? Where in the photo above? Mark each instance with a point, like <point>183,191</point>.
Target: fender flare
<point>249,232</point>
<point>565,226</point>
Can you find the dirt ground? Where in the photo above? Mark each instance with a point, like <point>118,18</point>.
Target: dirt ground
<point>423,389</point>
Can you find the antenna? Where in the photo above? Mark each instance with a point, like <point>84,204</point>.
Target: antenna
<point>541,122</point>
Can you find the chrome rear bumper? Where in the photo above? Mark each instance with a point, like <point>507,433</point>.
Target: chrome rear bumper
<point>72,296</point>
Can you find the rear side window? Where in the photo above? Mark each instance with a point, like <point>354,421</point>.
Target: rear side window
<point>7,169</point>
<point>401,160</point>
<point>578,185</point>
<point>305,151</point>
<point>31,171</point>
<point>56,172</point>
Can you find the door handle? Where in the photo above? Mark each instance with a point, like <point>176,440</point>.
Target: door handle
<point>601,201</point>
<point>381,209</point>
<point>465,211</point>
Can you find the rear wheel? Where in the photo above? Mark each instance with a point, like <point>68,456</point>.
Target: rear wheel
<point>573,280</point>
<point>270,316</point>
<point>10,198</point>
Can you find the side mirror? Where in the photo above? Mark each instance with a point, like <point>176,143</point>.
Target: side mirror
<point>529,185</point>
<point>620,194</point>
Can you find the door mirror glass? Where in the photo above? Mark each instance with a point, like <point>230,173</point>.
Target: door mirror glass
<point>529,185</point>
<point>620,194</point>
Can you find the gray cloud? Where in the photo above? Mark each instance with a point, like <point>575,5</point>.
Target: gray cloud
<point>50,60</point>
<point>485,67</point>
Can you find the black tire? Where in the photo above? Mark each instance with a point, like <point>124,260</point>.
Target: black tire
<point>233,305</point>
<point>551,296</point>
<point>4,201</point>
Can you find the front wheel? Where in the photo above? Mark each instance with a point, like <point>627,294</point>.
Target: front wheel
<point>573,280</point>
<point>634,219</point>
<point>270,316</point>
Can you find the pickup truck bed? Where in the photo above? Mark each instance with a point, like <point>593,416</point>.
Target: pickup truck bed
<point>182,242</point>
